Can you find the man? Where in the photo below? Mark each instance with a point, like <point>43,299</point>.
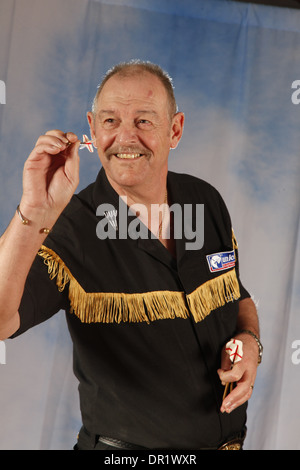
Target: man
<point>148,316</point>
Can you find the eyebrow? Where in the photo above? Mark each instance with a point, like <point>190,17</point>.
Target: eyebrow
<point>147,111</point>
<point>106,111</point>
<point>139,111</point>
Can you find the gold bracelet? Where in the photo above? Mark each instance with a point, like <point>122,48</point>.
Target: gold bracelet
<point>45,230</point>
<point>27,222</point>
<point>23,219</point>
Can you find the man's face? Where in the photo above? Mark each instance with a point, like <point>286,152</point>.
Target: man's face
<point>134,131</point>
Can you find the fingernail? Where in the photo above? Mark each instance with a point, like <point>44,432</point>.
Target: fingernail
<point>229,409</point>
<point>228,405</point>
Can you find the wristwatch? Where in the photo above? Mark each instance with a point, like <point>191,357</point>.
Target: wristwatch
<point>260,346</point>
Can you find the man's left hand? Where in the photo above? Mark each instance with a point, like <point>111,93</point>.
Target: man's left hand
<point>243,373</point>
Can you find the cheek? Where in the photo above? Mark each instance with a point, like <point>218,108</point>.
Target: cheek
<point>104,140</point>
<point>164,142</point>
<point>158,140</point>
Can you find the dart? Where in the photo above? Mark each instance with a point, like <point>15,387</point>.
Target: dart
<point>86,143</point>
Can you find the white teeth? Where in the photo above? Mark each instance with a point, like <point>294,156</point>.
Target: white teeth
<point>128,155</point>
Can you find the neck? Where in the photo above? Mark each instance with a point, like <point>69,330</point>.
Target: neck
<point>145,194</point>
<point>151,210</point>
<point>148,203</point>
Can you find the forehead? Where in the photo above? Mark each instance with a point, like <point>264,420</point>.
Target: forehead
<point>130,90</point>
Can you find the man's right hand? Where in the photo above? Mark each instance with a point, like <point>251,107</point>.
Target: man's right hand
<point>50,178</point>
<point>51,174</point>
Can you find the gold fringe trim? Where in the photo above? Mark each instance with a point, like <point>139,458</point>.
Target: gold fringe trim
<point>56,267</point>
<point>213,294</point>
<point>107,307</point>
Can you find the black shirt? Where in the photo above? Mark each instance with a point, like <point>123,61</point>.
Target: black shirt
<point>147,328</point>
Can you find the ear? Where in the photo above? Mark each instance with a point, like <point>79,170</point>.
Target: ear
<point>90,118</point>
<point>176,129</point>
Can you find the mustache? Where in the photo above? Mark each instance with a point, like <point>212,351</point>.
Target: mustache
<point>128,149</point>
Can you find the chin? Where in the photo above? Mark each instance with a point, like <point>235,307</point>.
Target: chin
<point>127,175</point>
<point>125,179</point>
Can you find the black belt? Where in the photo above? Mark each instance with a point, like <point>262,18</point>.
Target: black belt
<point>234,443</point>
<point>121,445</point>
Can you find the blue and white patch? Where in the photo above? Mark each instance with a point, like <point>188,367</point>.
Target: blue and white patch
<point>221,261</point>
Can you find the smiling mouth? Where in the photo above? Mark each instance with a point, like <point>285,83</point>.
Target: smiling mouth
<point>128,156</point>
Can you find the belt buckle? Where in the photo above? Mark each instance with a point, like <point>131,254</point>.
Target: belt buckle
<point>234,444</point>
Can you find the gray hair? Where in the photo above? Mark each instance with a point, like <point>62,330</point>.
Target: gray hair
<point>134,67</point>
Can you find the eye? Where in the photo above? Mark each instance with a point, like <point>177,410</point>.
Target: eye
<point>143,123</point>
<point>109,122</point>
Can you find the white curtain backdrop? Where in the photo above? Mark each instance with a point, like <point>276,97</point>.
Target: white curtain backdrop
<point>234,67</point>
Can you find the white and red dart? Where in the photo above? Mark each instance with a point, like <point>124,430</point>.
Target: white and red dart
<point>86,143</point>
<point>234,349</point>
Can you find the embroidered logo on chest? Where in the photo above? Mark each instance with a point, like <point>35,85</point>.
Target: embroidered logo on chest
<point>221,261</point>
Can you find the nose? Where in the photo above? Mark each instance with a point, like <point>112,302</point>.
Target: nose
<point>126,134</point>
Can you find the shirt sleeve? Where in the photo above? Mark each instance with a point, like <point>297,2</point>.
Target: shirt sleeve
<point>41,298</point>
<point>243,291</point>
<point>228,223</point>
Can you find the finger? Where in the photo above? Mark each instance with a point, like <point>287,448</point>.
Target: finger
<point>71,137</point>
<point>65,137</point>
<point>57,137</point>
<point>240,394</point>
<point>234,374</point>
<point>57,133</point>
<point>54,142</point>
<point>47,144</point>
<point>233,401</point>
<point>47,148</point>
